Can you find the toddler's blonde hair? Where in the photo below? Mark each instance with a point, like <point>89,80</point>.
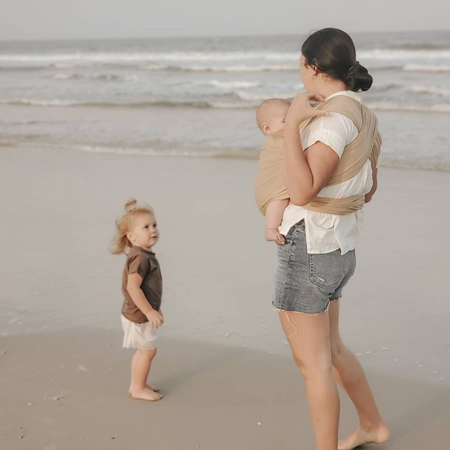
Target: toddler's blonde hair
<point>125,224</point>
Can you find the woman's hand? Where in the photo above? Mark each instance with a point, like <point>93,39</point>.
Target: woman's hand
<point>301,108</point>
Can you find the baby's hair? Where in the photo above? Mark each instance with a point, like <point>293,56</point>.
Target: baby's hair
<point>264,106</point>
<point>125,224</point>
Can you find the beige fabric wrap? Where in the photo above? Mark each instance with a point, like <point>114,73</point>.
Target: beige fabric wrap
<point>269,185</point>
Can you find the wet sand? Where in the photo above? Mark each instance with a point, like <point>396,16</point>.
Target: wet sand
<point>223,363</point>
<point>69,390</point>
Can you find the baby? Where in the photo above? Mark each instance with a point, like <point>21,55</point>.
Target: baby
<point>270,192</point>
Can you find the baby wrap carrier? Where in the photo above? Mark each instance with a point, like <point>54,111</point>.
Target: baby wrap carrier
<point>269,184</point>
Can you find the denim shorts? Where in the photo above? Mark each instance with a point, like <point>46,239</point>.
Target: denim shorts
<point>307,283</point>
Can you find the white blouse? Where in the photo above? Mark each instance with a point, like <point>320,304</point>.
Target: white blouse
<point>326,233</point>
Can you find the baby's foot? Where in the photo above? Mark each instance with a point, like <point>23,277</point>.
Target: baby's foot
<point>275,236</point>
<point>360,437</point>
<point>149,386</point>
<point>146,394</point>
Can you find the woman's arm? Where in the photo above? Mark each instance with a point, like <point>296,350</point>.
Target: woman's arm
<point>306,173</point>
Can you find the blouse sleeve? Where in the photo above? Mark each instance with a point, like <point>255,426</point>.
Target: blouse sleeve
<point>139,264</point>
<point>334,130</point>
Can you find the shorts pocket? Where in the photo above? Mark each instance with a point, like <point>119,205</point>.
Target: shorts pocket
<point>326,270</point>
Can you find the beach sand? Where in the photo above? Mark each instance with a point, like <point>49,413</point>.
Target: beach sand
<point>223,365</point>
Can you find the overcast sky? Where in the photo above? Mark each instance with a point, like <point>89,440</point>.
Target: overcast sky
<point>78,19</point>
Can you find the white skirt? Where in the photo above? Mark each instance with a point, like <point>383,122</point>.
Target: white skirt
<point>142,336</point>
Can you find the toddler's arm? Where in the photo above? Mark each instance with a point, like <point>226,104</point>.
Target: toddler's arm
<point>134,283</point>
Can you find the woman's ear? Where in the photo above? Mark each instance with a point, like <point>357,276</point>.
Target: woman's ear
<point>326,77</point>
<point>130,236</point>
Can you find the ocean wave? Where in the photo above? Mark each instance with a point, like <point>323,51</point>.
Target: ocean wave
<point>96,77</point>
<point>427,68</point>
<point>252,97</point>
<point>389,106</point>
<point>248,153</point>
<point>192,56</point>
<point>138,66</point>
<point>233,100</point>
<point>233,84</point>
<point>433,164</point>
<point>235,153</point>
<point>148,56</point>
<point>392,54</point>
<point>431,90</point>
<point>244,68</point>
<point>113,104</point>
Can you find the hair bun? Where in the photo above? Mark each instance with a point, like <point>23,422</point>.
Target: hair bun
<point>358,77</point>
<point>130,204</point>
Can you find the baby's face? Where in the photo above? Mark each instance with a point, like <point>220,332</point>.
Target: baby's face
<point>276,117</point>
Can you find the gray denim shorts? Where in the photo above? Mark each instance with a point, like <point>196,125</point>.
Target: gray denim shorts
<point>307,283</point>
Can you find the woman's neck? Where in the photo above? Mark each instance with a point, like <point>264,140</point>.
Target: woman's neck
<point>328,88</point>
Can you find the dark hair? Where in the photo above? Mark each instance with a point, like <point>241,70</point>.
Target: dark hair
<point>332,51</point>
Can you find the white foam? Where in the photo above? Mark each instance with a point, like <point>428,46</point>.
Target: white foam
<point>433,90</point>
<point>390,106</point>
<point>427,68</point>
<point>390,54</point>
<point>233,84</point>
<point>115,57</point>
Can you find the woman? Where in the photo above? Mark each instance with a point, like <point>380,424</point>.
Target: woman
<point>320,226</point>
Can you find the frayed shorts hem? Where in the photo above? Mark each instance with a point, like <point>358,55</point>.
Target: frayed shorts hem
<point>280,309</point>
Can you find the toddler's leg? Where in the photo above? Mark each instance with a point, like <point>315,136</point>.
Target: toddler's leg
<point>274,215</point>
<point>140,368</point>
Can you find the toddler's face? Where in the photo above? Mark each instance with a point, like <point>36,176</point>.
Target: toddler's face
<point>145,231</point>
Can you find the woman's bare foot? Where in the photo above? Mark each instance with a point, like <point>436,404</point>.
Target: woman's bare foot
<point>146,394</point>
<point>275,236</point>
<point>360,437</point>
<point>149,386</point>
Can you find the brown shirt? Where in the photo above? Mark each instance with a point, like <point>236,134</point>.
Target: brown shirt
<point>143,262</point>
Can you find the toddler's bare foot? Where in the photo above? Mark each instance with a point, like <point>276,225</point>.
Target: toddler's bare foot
<point>146,394</point>
<point>365,436</point>
<point>149,386</point>
<point>275,236</point>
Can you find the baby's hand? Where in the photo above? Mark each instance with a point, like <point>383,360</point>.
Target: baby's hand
<point>155,318</point>
<point>275,236</point>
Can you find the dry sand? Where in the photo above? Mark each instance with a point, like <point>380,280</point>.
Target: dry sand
<point>223,364</point>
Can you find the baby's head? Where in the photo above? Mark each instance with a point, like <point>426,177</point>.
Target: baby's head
<point>271,114</point>
<point>137,226</point>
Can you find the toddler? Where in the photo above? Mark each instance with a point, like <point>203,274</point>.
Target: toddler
<point>142,290</point>
<point>270,192</point>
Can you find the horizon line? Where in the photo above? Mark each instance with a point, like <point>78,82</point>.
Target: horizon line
<point>207,36</point>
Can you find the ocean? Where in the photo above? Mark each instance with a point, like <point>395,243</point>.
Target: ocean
<point>196,97</point>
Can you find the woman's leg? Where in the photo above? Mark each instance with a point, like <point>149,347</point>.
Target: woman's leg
<point>140,368</point>
<point>309,339</point>
<point>351,377</point>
